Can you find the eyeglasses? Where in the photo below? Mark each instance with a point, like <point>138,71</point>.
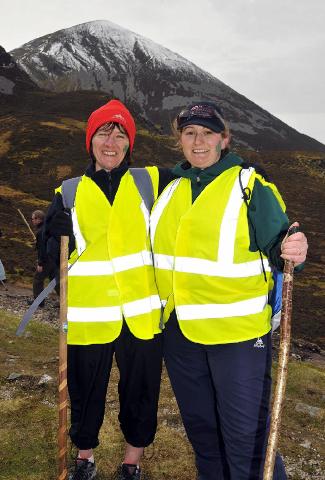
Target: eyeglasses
<point>200,111</point>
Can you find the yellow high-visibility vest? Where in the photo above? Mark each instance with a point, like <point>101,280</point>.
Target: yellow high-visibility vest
<point>203,265</point>
<point>112,269</point>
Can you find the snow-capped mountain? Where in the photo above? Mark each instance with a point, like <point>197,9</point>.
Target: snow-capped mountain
<point>153,81</point>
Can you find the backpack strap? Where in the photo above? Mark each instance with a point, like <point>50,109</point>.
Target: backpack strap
<point>68,191</point>
<point>143,182</point>
<point>141,178</point>
<point>246,192</point>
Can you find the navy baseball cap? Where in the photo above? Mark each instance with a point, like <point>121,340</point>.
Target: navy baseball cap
<point>207,114</point>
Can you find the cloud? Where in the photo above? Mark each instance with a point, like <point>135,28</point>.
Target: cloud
<point>308,123</point>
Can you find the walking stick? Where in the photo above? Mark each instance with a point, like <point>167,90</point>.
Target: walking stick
<point>63,390</point>
<point>27,224</point>
<point>279,394</point>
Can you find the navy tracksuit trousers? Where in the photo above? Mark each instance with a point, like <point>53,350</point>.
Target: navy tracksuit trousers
<point>223,394</point>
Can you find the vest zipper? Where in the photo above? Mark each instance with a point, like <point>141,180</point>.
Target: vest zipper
<point>110,188</point>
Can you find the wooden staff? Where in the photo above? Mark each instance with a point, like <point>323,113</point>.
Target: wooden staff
<point>27,224</point>
<point>63,390</point>
<point>279,394</point>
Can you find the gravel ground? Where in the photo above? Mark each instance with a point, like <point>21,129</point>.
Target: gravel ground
<point>14,300</point>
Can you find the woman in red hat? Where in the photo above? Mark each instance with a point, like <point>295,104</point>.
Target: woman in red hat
<point>113,304</point>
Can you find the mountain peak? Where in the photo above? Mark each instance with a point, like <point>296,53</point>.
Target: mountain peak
<point>151,79</point>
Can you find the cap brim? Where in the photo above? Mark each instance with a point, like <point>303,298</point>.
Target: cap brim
<point>216,126</point>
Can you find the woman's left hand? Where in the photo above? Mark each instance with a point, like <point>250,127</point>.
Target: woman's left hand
<point>294,247</point>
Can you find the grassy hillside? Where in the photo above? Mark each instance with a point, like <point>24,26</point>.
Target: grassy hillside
<point>29,416</point>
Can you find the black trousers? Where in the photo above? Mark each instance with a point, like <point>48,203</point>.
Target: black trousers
<point>89,366</point>
<point>223,394</point>
<point>49,271</point>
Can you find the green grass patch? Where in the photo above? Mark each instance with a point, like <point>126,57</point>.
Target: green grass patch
<point>30,419</point>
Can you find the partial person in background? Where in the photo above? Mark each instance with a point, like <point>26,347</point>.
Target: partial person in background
<point>215,231</point>
<point>113,305</point>
<point>45,267</point>
<point>2,274</point>
<point>2,270</point>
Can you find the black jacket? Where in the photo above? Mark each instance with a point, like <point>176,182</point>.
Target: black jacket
<point>40,246</point>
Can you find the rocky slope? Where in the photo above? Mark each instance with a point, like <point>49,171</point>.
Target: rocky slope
<point>13,80</point>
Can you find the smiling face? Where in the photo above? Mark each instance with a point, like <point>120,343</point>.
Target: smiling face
<point>109,146</point>
<point>201,146</point>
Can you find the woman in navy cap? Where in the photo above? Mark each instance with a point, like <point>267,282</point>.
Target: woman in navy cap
<point>216,231</point>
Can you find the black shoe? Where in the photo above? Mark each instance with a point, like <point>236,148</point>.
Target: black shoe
<point>84,470</point>
<point>123,472</point>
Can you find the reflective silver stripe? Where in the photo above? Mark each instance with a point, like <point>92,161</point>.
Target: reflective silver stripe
<point>164,262</point>
<point>83,269</point>
<point>230,219</point>
<point>209,267</point>
<point>80,241</point>
<point>146,215</point>
<point>222,310</point>
<point>218,269</point>
<point>108,267</point>
<point>160,206</point>
<point>135,260</point>
<point>94,314</point>
<point>113,314</point>
<point>144,305</point>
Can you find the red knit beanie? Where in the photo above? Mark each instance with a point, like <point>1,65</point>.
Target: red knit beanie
<point>113,111</point>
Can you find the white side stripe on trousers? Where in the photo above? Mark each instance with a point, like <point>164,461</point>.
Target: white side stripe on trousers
<point>222,310</point>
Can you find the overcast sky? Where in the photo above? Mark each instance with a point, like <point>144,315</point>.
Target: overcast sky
<point>271,51</point>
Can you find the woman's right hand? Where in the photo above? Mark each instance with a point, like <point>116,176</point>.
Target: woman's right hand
<point>294,247</point>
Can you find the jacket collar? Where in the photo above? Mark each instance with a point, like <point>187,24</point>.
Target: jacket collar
<point>185,169</point>
<point>119,171</point>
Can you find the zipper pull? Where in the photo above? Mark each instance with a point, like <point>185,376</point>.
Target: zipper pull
<point>161,323</point>
<point>110,189</point>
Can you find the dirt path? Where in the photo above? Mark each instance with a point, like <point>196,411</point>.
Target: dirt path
<point>14,300</point>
